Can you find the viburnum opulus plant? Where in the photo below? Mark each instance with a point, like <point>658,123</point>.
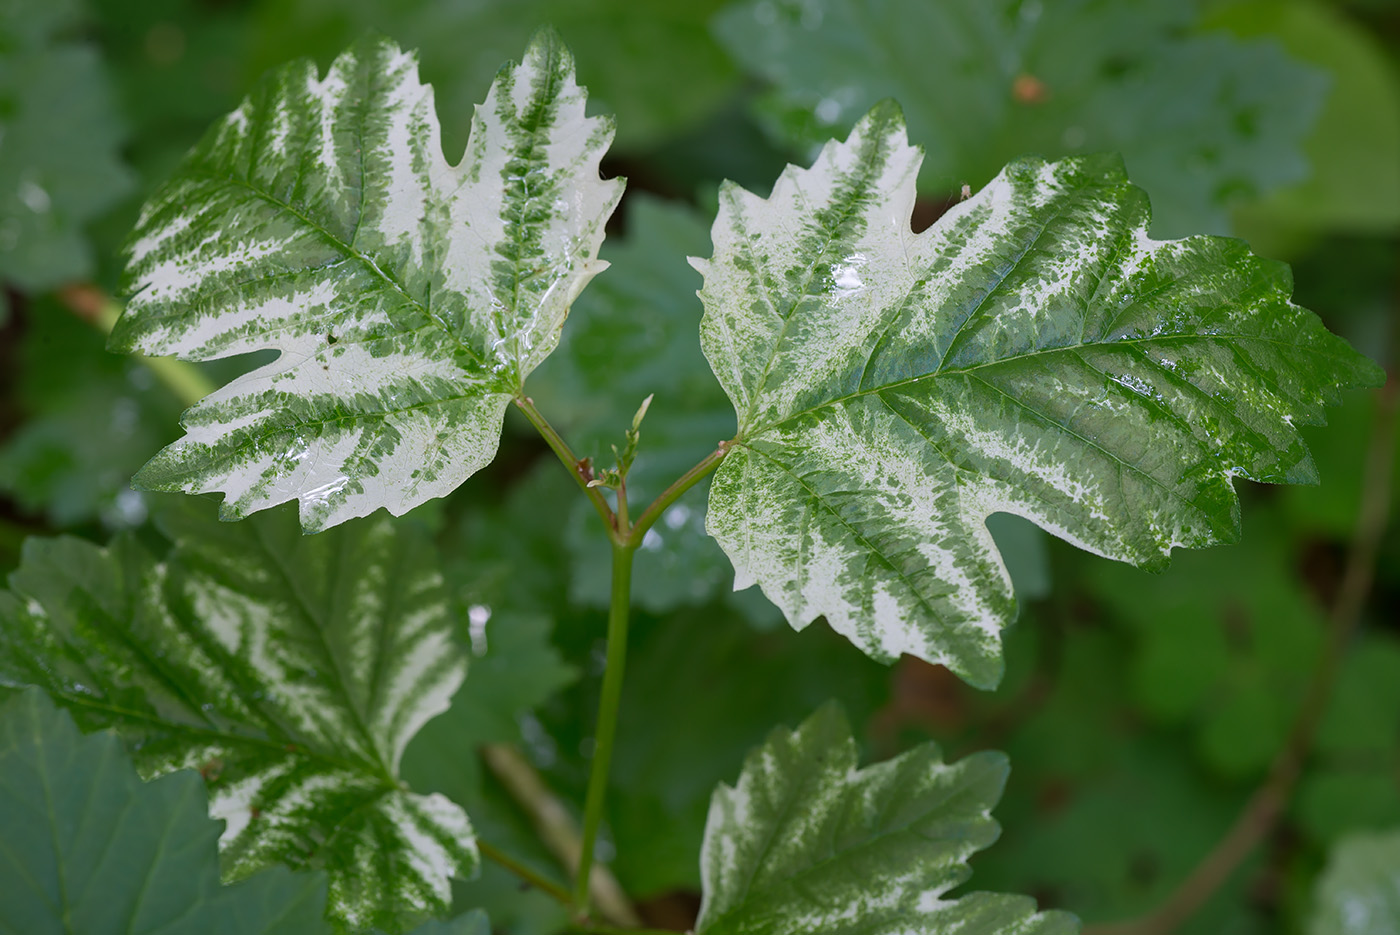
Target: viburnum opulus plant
<point>1034,352</point>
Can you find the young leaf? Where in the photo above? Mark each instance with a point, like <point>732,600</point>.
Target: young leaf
<point>290,671</point>
<point>1033,352</point>
<point>806,842</point>
<point>409,298</point>
<point>1359,893</point>
<point>91,848</point>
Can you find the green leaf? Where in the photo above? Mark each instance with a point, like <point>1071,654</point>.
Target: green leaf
<point>1351,186</point>
<point>59,162</point>
<point>90,848</point>
<point>1033,352</point>
<point>514,669</point>
<point>652,64</point>
<point>409,298</point>
<point>1226,643</point>
<point>805,842</point>
<point>290,671</point>
<point>1359,893</point>
<point>671,751</point>
<point>92,419</point>
<point>1203,121</point>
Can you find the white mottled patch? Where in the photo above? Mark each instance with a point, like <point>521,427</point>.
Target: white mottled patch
<point>168,280</point>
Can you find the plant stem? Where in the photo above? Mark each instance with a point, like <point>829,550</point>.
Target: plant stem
<point>569,459</point>
<point>1265,806</point>
<point>607,717</point>
<point>673,493</point>
<point>495,854</point>
<point>102,311</point>
<point>557,828</point>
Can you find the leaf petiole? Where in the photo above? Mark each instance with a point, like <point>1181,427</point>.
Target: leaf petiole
<point>571,461</point>
<point>544,885</point>
<point>673,493</point>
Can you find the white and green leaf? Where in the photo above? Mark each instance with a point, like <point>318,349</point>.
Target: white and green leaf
<point>290,671</point>
<point>408,298</point>
<point>806,842</point>
<point>1034,352</point>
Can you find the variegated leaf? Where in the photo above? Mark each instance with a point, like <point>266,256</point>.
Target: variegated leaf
<point>806,842</point>
<point>290,671</point>
<point>408,298</point>
<point>1033,352</point>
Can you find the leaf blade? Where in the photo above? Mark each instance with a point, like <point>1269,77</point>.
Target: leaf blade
<point>289,671</point>
<point>409,298</point>
<point>1034,352</point>
<point>807,842</point>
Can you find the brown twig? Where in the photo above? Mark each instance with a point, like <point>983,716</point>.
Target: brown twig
<point>558,830</point>
<point>1262,810</point>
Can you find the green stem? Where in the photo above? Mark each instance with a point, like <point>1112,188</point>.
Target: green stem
<point>102,311</point>
<point>496,855</point>
<point>607,717</point>
<point>569,459</point>
<point>673,493</point>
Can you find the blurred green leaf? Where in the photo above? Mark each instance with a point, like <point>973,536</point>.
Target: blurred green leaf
<point>59,140</point>
<point>1203,121</point>
<point>1226,643</point>
<point>90,848</point>
<point>652,63</point>
<point>290,671</point>
<point>513,670</point>
<point>1359,893</point>
<point>1350,784</point>
<point>1354,148</point>
<point>1114,843</point>
<point>93,418</point>
<point>469,923</point>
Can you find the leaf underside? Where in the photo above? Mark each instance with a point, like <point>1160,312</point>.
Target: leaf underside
<point>408,298</point>
<point>291,672</point>
<point>1033,352</point>
<point>806,842</point>
<point>90,848</point>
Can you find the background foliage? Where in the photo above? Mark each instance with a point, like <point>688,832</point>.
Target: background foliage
<point>1139,712</point>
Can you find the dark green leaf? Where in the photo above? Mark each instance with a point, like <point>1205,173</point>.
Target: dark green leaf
<point>59,164</point>
<point>90,848</point>
<point>805,842</point>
